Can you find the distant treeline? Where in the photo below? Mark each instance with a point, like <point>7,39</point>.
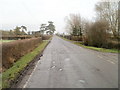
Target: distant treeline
<point>17,31</point>
<point>22,30</point>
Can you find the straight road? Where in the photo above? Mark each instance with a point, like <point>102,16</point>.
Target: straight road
<point>65,65</point>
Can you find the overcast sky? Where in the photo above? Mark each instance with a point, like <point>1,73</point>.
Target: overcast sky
<point>32,13</point>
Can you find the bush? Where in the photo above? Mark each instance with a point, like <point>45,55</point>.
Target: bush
<point>113,44</point>
<point>12,51</point>
<point>85,40</point>
<point>108,45</point>
<point>76,38</point>
<point>97,34</point>
<point>68,37</point>
<point>46,37</point>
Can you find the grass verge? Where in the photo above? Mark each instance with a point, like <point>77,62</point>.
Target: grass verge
<point>11,73</point>
<point>93,48</point>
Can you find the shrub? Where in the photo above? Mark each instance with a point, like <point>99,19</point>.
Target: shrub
<point>46,37</point>
<point>76,38</point>
<point>97,35</point>
<point>113,44</point>
<point>12,51</point>
<point>85,40</point>
<point>68,37</point>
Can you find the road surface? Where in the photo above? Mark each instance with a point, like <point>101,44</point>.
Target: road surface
<point>65,65</point>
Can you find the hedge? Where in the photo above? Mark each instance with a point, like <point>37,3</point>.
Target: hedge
<point>12,51</point>
<point>74,38</point>
<point>109,44</point>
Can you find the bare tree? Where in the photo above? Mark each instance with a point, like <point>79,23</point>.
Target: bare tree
<point>74,24</point>
<point>109,11</point>
<point>86,25</point>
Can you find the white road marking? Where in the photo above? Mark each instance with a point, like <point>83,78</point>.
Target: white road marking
<point>107,60</point>
<point>31,74</point>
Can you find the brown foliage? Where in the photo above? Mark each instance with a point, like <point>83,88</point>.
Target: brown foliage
<point>12,51</point>
<point>76,38</point>
<point>113,44</point>
<point>85,40</point>
<point>46,37</point>
<point>98,35</point>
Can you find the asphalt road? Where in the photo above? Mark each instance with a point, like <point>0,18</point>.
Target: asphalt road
<point>65,65</point>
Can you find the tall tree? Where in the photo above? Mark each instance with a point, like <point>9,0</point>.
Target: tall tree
<point>24,29</point>
<point>50,28</point>
<point>42,28</point>
<point>74,24</point>
<point>17,30</point>
<point>109,11</point>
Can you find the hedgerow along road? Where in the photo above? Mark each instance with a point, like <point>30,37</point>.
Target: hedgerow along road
<point>66,65</point>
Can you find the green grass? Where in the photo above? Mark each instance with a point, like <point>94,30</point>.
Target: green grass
<point>6,40</point>
<point>98,49</point>
<point>93,48</point>
<point>11,73</point>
